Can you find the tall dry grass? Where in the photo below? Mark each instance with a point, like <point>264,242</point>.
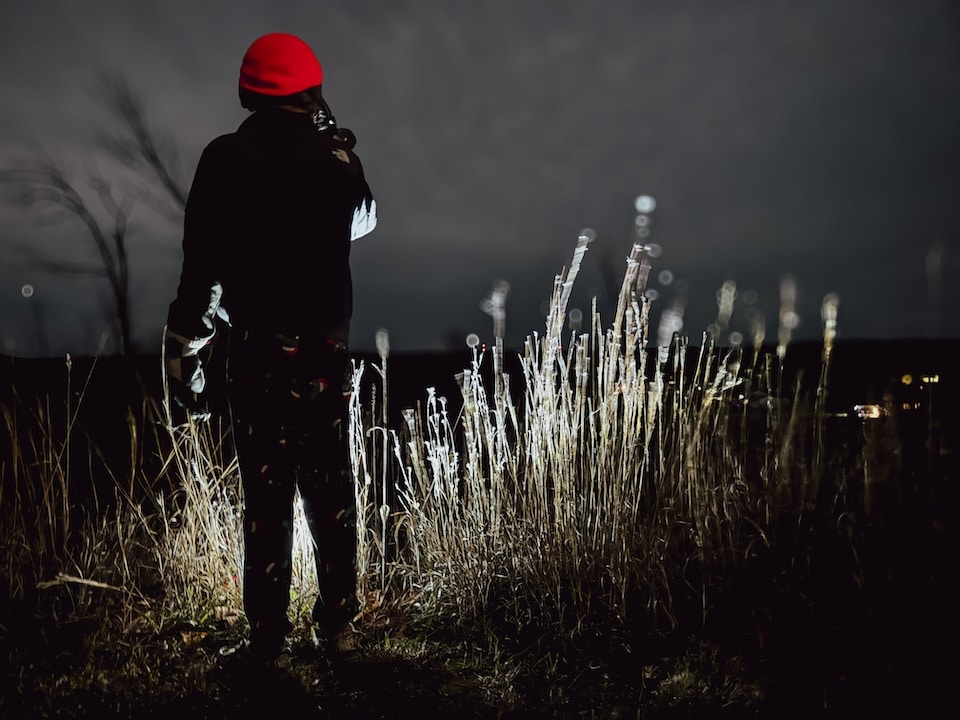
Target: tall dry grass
<point>159,547</point>
<point>69,553</point>
<point>611,481</point>
<point>622,484</point>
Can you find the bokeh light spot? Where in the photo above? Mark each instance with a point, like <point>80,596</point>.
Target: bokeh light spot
<point>645,204</point>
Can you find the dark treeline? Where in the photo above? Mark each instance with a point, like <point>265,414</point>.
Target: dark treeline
<point>105,394</point>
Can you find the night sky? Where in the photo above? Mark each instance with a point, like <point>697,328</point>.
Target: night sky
<point>815,140</point>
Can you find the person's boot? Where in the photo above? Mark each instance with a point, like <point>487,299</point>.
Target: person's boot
<point>334,627</point>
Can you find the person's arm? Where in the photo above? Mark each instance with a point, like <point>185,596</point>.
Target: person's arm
<point>365,209</point>
<point>191,320</point>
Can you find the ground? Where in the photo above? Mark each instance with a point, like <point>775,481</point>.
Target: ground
<point>181,674</point>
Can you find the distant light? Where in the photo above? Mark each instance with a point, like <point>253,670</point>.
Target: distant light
<point>736,338</point>
<point>576,318</point>
<point>472,340</point>
<point>588,234</point>
<point>869,412</point>
<point>750,297</point>
<point>27,290</point>
<point>652,294</point>
<point>907,379</point>
<point>665,277</point>
<point>645,204</point>
<point>931,379</point>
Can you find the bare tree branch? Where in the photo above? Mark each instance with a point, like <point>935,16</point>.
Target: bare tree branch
<point>64,267</point>
<point>138,145</point>
<point>45,184</point>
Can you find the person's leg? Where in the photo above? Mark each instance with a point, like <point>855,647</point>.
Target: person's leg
<point>327,491</point>
<point>269,483</point>
<point>330,510</point>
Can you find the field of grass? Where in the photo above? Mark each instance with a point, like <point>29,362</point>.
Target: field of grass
<point>591,528</point>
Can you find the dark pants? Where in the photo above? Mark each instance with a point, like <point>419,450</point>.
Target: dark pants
<point>289,412</point>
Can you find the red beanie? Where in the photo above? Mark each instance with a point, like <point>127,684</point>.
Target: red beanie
<point>279,64</point>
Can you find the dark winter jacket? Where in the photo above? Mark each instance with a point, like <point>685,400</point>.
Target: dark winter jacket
<point>271,214</point>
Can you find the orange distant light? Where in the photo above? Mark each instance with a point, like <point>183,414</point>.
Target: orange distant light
<point>869,412</point>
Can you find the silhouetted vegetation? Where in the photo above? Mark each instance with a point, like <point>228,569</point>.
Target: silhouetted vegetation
<point>585,528</point>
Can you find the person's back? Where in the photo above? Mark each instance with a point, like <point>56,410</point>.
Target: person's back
<point>271,214</point>
<point>279,197</point>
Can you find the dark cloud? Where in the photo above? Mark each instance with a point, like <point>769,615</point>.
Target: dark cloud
<point>817,141</point>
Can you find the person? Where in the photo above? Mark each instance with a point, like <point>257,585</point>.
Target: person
<point>270,217</point>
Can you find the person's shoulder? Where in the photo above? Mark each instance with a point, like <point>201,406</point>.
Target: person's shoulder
<point>220,150</point>
<point>221,142</point>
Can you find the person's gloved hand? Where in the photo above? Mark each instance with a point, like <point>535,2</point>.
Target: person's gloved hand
<point>185,404</point>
